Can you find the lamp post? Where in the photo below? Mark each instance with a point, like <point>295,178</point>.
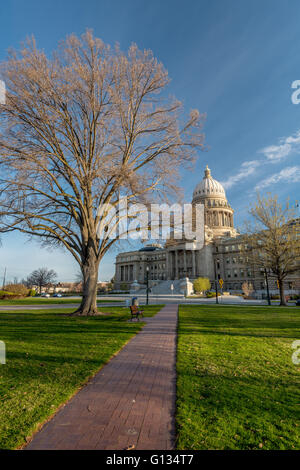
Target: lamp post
<point>216,282</point>
<point>147,285</point>
<point>267,284</point>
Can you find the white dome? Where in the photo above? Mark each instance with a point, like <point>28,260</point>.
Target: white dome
<point>209,187</point>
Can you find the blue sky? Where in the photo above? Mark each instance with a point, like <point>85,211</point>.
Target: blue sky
<point>234,60</point>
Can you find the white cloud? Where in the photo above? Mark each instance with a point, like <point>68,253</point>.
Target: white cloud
<point>273,154</point>
<point>289,174</point>
<point>286,146</point>
<point>247,169</point>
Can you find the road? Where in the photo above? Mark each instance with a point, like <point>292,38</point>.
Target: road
<point>153,300</point>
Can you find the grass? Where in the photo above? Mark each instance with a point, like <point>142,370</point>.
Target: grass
<point>49,357</point>
<point>237,387</point>
<point>46,301</point>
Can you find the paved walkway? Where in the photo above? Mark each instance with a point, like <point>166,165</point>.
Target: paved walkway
<point>130,402</point>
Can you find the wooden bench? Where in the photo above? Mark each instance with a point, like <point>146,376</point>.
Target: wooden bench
<point>135,312</point>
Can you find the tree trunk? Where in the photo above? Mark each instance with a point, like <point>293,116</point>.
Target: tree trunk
<point>281,291</point>
<point>89,269</point>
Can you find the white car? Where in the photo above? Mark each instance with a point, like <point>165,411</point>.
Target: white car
<point>44,294</point>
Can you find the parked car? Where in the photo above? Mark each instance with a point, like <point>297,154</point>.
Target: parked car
<point>57,295</point>
<point>44,294</point>
<point>298,303</point>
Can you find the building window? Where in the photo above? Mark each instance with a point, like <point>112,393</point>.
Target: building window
<point>234,260</point>
<point>235,273</point>
<point>228,274</point>
<point>227,260</point>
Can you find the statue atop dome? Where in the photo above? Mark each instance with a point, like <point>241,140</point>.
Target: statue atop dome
<point>207,173</point>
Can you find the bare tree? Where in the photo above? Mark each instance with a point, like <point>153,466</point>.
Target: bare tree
<point>41,277</point>
<point>273,239</point>
<point>80,129</point>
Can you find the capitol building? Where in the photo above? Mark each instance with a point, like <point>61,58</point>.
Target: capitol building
<point>219,258</point>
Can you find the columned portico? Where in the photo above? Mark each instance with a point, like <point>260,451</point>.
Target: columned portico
<point>193,263</point>
<point>176,264</point>
<point>180,258</point>
<point>184,263</point>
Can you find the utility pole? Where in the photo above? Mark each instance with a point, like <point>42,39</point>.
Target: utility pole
<point>216,282</point>
<point>147,285</point>
<point>4,279</point>
<point>267,284</point>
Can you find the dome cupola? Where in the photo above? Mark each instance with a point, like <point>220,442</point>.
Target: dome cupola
<point>218,214</point>
<point>208,187</point>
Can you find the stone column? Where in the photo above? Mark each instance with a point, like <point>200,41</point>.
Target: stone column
<point>193,263</point>
<point>167,269</point>
<point>184,263</point>
<point>198,263</point>
<point>170,272</point>
<point>176,264</point>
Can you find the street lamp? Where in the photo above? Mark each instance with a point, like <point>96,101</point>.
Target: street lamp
<point>147,285</point>
<point>267,284</point>
<point>216,282</point>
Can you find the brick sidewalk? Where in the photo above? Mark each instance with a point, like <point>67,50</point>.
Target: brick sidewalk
<point>131,401</point>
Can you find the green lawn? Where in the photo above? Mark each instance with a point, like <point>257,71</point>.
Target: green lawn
<point>46,301</point>
<point>49,356</point>
<point>237,387</point>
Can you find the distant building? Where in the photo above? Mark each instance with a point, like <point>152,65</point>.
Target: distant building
<point>220,257</point>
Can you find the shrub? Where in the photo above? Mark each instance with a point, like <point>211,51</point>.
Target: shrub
<point>31,293</point>
<point>5,295</point>
<point>201,284</point>
<point>209,294</point>
<point>18,289</point>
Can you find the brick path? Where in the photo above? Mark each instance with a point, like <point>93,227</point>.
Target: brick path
<point>131,401</point>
